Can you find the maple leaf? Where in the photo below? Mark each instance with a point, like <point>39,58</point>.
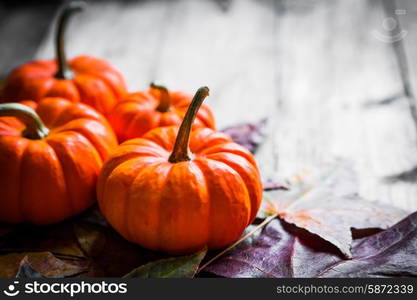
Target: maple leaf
<point>327,204</point>
<point>284,250</point>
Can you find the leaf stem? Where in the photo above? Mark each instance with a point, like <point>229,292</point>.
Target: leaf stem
<point>242,239</point>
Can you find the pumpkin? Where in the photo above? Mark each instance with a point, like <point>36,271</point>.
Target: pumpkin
<point>177,191</point>
<point>50,159</point>
<point>140,112</point>
<point>83,79</point>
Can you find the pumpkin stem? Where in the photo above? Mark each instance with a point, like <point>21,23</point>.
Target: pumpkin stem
<point>35,129</point>
<point>64,71</point>
<point>165,99</point>
<point>181,149</point>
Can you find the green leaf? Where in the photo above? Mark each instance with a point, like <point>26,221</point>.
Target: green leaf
<point>175,267</point>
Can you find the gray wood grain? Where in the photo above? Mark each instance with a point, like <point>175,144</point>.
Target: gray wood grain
<point>402,31</point>
<point>332,69</point>
<point>232,51</point>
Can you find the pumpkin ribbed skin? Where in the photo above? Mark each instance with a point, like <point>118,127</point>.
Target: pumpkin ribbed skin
<point>184,206</point>
<point>47,180</point>
<point>95,82</point>
<point>137,113</point>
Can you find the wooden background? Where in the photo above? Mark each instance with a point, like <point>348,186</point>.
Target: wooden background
<point>335,78</point>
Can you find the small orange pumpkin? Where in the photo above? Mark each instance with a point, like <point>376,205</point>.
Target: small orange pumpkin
<point>83,79</point>
<point>50,159</point>
<point>158,194</point>
<point>140,112</point>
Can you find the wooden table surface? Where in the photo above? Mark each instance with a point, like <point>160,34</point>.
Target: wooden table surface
<point>335,78</point>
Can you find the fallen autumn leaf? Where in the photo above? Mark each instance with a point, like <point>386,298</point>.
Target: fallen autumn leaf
<point>283,250</point>
<point>327,204</point>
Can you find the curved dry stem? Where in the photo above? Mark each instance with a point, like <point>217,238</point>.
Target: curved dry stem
<point>64,72</point>
<point>35,129</point>
<point>181,149</point>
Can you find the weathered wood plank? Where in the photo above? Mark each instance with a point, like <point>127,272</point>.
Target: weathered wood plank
<point>331,67</point>
<point>231,50</point>
<point>403,32</point>
<point>22,28</point>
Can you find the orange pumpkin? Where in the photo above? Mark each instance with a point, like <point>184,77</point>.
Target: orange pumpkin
<point>50,159</point>
<point>84,79</point>
<point>177,191</point>
<point>140,112</point>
